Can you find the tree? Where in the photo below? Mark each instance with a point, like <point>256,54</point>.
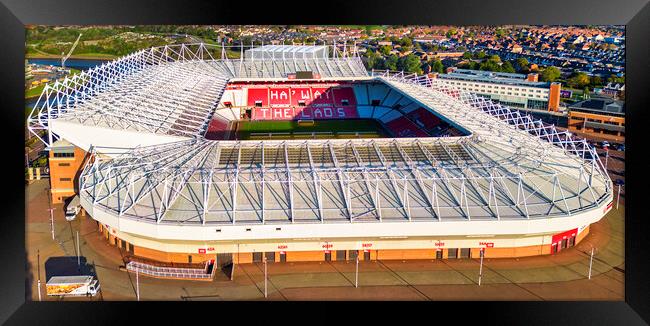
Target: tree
<point>436,66</point>
<point>494,58</point>
<point>490,65</point>
<point>480,55</point>
<point>409,63</point>
<point>391,62</point>
<point>550,74</point>
<point>596,81</point>
<point>373,59</point>
<point>578,80</point>
<point>585,93</point>
<point>385,49</point>
<point>615,79</point>
<point>507,67</point>
<point>521,64</point>
<point>406,42</point>
<point>467,55</point>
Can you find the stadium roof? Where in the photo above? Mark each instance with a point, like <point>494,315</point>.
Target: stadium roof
<point>288,52</point>
<point>174,88</point>
<point>510,168</point>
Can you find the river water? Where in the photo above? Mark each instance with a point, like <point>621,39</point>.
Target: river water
<point>79,64</point>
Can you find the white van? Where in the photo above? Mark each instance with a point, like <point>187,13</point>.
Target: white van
<point>73,208</point>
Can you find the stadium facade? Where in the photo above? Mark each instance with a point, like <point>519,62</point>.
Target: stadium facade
<point>166,178</point>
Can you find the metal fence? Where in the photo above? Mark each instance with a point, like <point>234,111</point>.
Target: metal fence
<point>171,272</point>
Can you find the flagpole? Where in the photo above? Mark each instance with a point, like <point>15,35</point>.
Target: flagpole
<point>356,275</point>
<point>38,263</point>
<point>265,278</point>
<point>137,282</point>
<point>480,271</point>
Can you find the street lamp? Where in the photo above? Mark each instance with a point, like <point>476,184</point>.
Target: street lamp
<point>78,253</point>
<point>619,183</point>
<point>137,283</point>
<point>265,278</point>
<point>51,221</point>
<point>38,264</point>
<point>591,260</point>
<point>356,275</point>
<point>480,270</point>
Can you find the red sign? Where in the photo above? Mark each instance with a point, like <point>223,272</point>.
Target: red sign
<point>366,245</point>
<point>322,96</point>
<point>273,113</point>
<point>327,251</point>
<point>439,244</point>
<point>327,245</point>
<point>300,95</point>
<point>561,236</point>
<point>366,250</point>
<point>313,113</point>
<point>486,244</point>
<point>211,249</point>
<point>202,250</point>
<point>279,97</point>
<point>344,96</point>
<point>282,246</point>
<point>258,95</point>
<point>282,252</point>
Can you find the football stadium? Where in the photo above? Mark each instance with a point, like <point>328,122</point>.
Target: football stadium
<point>298,153</point>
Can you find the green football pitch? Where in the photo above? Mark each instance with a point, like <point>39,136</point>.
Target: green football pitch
<point>320,129</point>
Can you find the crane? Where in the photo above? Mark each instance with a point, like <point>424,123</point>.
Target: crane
<point>65,57</point>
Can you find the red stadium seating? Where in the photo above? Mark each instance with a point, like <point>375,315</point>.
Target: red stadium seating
<point>302,101</point>
<point>403,127</point>
<point>426,117</point>
<point>217,129</point>
<point>331,100</point>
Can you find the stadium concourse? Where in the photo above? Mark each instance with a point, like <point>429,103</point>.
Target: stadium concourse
<point>168,176</point>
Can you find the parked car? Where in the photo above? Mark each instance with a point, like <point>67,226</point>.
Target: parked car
<point>73,208</point>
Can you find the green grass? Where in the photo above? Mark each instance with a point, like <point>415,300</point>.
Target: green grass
<point>338,128</point>
<point>36,91</point>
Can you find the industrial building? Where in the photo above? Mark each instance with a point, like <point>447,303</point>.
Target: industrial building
<point>599,117</point>
<point>513,90</point>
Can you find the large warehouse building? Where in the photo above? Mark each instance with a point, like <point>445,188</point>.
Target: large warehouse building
<point>168,176</point>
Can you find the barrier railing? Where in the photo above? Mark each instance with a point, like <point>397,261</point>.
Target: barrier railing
<point>171,272</point>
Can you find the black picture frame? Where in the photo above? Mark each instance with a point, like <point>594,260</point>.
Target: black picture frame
<point>635,14</point>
